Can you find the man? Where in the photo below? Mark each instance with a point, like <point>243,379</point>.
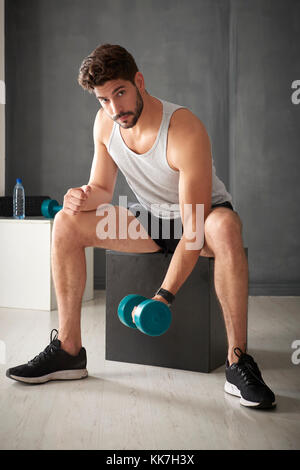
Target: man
<point>164,152</point>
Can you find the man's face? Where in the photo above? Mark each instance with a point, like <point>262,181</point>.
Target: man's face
<point>120,98</point>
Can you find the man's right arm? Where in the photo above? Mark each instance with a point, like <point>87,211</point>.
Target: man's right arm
<point>104,171</point>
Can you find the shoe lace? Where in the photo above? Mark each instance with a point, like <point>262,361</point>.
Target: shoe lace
<point>48,350</point>
<point>248,368</point>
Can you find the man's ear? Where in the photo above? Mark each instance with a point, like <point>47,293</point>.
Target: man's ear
<point>139,81</point>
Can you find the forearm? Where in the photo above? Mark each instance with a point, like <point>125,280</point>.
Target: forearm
<point>96,197</point>
<point>182,263</point>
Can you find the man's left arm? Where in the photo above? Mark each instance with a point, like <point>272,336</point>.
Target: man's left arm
<point>192,157</point>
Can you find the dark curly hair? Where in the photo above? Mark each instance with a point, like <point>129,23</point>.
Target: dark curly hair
<point>106,62</point>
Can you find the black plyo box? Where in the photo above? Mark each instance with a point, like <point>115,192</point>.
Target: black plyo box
<point>196,339</point>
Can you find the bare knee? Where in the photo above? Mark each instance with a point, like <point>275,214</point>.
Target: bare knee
<point>65,227</point>
<point>224,228</point>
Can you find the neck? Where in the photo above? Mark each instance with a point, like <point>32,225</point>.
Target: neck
<point>149,118</point>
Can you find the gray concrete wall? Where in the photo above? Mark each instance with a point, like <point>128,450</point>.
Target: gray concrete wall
<point>265,139</point>
<point>221,58</point>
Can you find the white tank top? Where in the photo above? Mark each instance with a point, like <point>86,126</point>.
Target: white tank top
<point>149,175</point>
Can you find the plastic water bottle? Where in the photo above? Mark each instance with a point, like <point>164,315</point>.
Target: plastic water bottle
<point>19,200</point>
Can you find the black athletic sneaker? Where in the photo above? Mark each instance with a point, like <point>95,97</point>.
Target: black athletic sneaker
<point>244,380</point>
<point>51,364</point>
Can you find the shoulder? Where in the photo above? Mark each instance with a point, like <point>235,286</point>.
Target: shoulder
<point>183,121</point>
<point>187,136</point>
<point>102,127</point>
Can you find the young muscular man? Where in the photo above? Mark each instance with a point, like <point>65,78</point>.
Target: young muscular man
<point>164,152</point>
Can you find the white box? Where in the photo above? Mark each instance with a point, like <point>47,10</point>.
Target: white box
<point>25,265</point>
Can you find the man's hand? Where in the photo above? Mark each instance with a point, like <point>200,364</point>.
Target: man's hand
<point>75,199</point>
<point>156,297</point>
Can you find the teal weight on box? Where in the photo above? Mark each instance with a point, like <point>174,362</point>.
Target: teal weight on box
<point>49,208</point>
<point>153,317</point>
<point>126,306</point>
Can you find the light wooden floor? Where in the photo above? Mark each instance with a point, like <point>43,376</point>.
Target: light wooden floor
<point>128,406</point>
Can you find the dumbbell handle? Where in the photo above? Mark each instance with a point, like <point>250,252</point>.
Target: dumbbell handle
<point>50,207</point>
<point>57,208</point>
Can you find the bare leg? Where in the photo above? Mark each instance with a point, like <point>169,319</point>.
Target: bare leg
<point>69,275</point>
<point>224,238</point>
<point>231,284</point>
<point>70,236</point>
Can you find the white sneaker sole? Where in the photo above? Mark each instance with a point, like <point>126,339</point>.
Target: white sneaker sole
<point>58,375</point>
<point>233,390</point>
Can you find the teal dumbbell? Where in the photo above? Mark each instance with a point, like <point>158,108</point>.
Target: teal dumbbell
<point>151,317</point>
<point>49,208</point>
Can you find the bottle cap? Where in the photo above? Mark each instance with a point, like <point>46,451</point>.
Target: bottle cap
<point>19,180</point>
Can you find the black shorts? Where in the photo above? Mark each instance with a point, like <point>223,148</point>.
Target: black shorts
<point>168,235</point>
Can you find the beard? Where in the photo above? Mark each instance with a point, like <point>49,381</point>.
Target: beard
<point>133,116</point>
